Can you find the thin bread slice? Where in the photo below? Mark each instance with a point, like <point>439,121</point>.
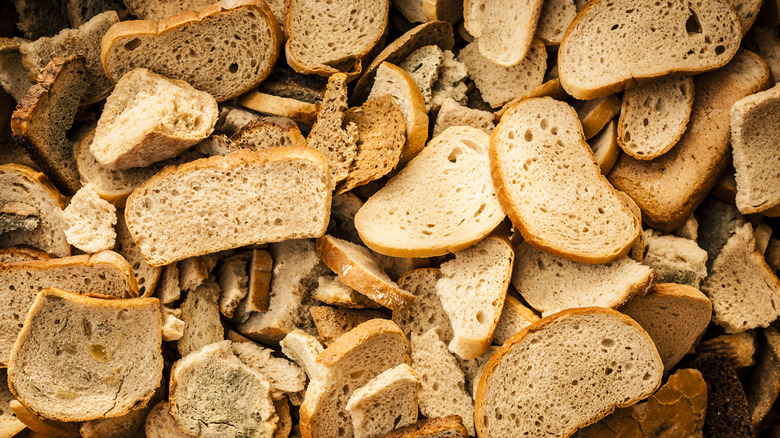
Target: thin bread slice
<point>472,289</point>
<point>748,11</point>
<point>251,47</point>
<point>448,188</point>
<point>515,316</point>
<point>450,426</point>
<point>387,401</point>
<point>160,423</point>
<point>551,284</point>
<point>303,349</point>
<point>105,365</point>
<point>628,371</point>
<point>266,132</point>
<point>200,313</point>
<point>452,113</point>
<point>90,221</point>
<point>258,215</point>
<point>284,376</point>
<point>676,260</point>
<point>765,382</point>
<point>503,30</point>
<point>332,322</point>
<point>426,312</point>
<point>727,407</point>
<point>536,151</point>
<point>739,349</point>
<point>606,47</point>
<point>554,18</point>
<point>145,276</point>
<point>304,112</point>
<point>14,78</point>
<point>357,268</point>
<point>594,114</point>
<point>654,116</point>
<point>41,427</point>
<point>331,290</point>
<point>397,266</point>
<point>605,147</point>
<point>153,10</point>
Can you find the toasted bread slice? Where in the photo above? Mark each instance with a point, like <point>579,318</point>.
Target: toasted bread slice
<point>504,30</point>
<point>387,401</point>
<point>13,75</point>
<point>727,407</point>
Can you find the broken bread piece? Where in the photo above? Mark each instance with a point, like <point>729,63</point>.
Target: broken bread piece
<point>200,313</point>
<point>90,221</point>
<point>504,30</point>
<point>387,401</point>
<point>284,376</point>
<point>426,311</point>
<point>160,423</point>
<point>515,316</point>
<point>333,322</point>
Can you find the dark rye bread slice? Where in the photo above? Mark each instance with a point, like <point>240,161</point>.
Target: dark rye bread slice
<point>44,116</point>
<point>670,187</point>
<point>185,47</point>
<point>613,44</point>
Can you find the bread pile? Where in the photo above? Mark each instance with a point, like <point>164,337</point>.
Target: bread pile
<point>375,219</point>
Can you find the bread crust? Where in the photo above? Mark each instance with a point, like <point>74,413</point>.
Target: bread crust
<point>280,106</point>
<point>36,177</point>
<point>23,251</point>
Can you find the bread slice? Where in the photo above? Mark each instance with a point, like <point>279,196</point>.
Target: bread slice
<point>258,286</point>
<point>332,322</point>
<point>105,365</point>
<point>442,384</point>
<point>387,401</point>
<point>327,43</point>
<point>200,313</point>
<point>450,426</point>
<point>22,254</point>
<point>286,82</point>
<point>718,221</point>
<point>352,361</point>
<point>258,215</point>
<point>503,30</point>
<point>284,426</point>
<point>538,149</point>
<point>267,132</point>
<point>498,84</point>
<point>515,316</point>
<point>430,10</point>
<point>726,190</point>
<point>397,266</point>
<point>214,394</point>
<point>772,254</point>
<point>343,208</point>
<point>676,260</point>
<point>554,18</point>
<point>90,221</point>
<point>452,113</point>
<point>14,77</point>
<point>232,118</point>
<point>748,11</point>
<point>331,290</point>
<point>654,116</point>
<point>45,114</point>
<point>472,291</point>
<point>423,66</point>
<point>40,427</point>
<point>605,147</point>
<point>301,111</point>
<point>551,284</point>
<point>252,47</point>
<point>160,423</point>
<point>628,371</point>
<point>453,170</point>
<point>127,426</point>
<point>193,271</point>
<point>426,312</point>
<point>145,276</point>
<point>18,216</point>
<point>153,10</point>
<point>743,289</point>
<point>284,376</point>
<point>753,130</point>
<point>683,39</point>
<point>738,349</point>
<point>303,349</point>
<point>764,41</point>
<point>765,383</point>
<point>594,114</point>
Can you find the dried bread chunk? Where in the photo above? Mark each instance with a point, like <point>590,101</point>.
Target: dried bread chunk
<point>423,66</point>
<point>81,11</point>
<point>39,18</point>
<point>90,221</point>
<point>452,113</point>
<point>738,349</point>
<point>387,401</point>
<point>748,11</point>
<point>676,260</point>
<point>332,322</point>
<point>154,10</point>
<point>430,10</point>
<point>727,408</point>
<point>233,279</point>
<point>127,426</point>
<point>503,30</point>
<point>200,313</point>
<point>303,349</point>
<point>765,382</point>
<point>40,427</point>
<point>331,290</point>
<point>426,311</point>
<point>160,423</point>
<point>145,275</point>
<point>301,111</point>
<point>14,77</point>
<point>9,424</point>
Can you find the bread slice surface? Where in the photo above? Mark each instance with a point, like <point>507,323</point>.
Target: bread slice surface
<point>387,401</point>
<point>503,30</point>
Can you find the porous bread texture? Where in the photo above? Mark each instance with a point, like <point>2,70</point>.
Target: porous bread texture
<point>81,11</point>
<point>90,221</point>
<point>472,289</point>
<point>150,118</point>
<point>550,284</point>
<point>126,426</point>
<point>515,316</point>
<point>596,358</point>
<point>426,311</point>
<point>386,402</point>
<point>245,31</point>
<point>84,41</point>
<point>272,105</point>
<point>605,147</point>
<point>233,280</point>
<point>675,316</point>
<point>13,75</point>
<point>101,358</point>
<point>755,137</point>
<point>284,376</point>
<point>504,30</point>
<point>268,132</point>
<point>451,82</point>
<point>275,194</point>
<point>452,113</point>
<point>743,289</point>
<point>332,322</point>
<point>551,187</point>
<point>213,394</point>
<point>450,426</point>
<point>613,44</point>
<point>22,184</point>
<point>349,363</point>
<point>654,116</point>
<point>200,313</point>
<point>9,424</point>
<point>22,254</point>
<point>160,423</point>
<point>336,38</point>
<point>423,67</point>
<point>448,194</point>
<point>145,276</point>
<point>676,260</point>
<point>154,10</point>
<point>738,349</point>
<point>554,18</point>
<point>499,85</point>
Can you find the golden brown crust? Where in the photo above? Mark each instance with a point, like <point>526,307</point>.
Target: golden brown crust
<point>354,338</point>
<point>417,128</point>
<point>26,253</point>
<point>600,115</point>
<point>280,106</point>
<point>36,177</point>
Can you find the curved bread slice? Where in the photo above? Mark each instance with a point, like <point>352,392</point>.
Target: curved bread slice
<point>267,132</point>
<point>275,194</point>
<point>615,43</point>
<point>596,359</point>
<point>594,114</point>
<point>450,426</point>
<point>305,112</point>
<point>515,316</point>
<point>551,187</point>
<point>503,29</point>
<point>654,117</point>
<point>244,31</point>
<point>605,147</point>
<point>101,358</point>
<point>554,19</point>
<point>448,193</point>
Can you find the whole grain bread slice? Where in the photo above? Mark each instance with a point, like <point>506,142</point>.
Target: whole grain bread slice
<point>503,30</point>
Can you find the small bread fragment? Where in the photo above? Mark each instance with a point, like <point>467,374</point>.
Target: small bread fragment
<point>676,260</point>
<point>284,376</point>
<point>426,311</point>
<point>258,286</point>
<point>387,401</point>
<point>332,322</point>
<point>9,424</point>
<point>145,275</point>
<point>233,282</point>
<point>303,349</point>
<point>22,254</point>
<point>450,426</point>
<point>452,113</point>
<point>331,290</point>
<point>503,30</point>
<point>160,423</point>
<point>594,114</point>
<point>114,345</point>
<point>200,313</point>
<point>90,221</point>
<point>514,317</point>
<point>605,147</point>
<point>264,103</point>
<point>738,349</point>
<point>14,78</point>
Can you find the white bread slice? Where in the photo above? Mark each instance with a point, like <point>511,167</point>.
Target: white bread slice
<point>105,363</point>
<point>743,289</point>
<point>498,84</point>
<point>200,313</point>
<point>551,187</point>
<point>22,184</point>
<point>554,19</point>
<point>452,113</point>
<point>514,317</point>
<point>386,402</point>
<point>337,38</point>
<point>606,47</point>
<point>594,114</point>
<point>637,251</point>
<point>352,361</point>
<point>150,118</point>
<point>284,376</point>
<point>266,213</point>
<point>654,116</point>
<point>754,139</point>
<point>450,426</point>
<point>90,221</point>
<point>357,268</point>
<point>304,112</point>
<point>504,30</point>
<point>214,394</point>
<point>670,187</point>
<point>246,29</point>
<point>676,260</point>
<point>472,291</point>
<point>448,193</point>
<point>605,147</point>
<point>233,280</point>
<point>9,424</point>
<point>596,359</point>
<point>160,423</point>
<point>426,312</point>
<point>551,284</point>
<point>331,290</point>
<point>153,10</point>
<point>675,316</point>
<point>303,349</point>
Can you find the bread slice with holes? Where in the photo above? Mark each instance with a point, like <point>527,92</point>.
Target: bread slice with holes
<point>426,311</point>
<point>605,353</point>
<point>538,150</point>
<point>515,316</point>
<point>452,113</point>
<point>503,30</point>
<point>554,19</point>
<point>606,47</point>
<point>153,10</point>
<point>268,132</point>
<point>284,376</point>
<point>386,402</point>
<point>246,28</point>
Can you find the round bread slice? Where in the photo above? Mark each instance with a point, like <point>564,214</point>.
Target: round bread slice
<point>442,201</point>
<point>551,186</point>
<point>503,29</point>
<point>564,372</point>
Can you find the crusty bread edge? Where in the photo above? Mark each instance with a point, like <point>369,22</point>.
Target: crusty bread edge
<point>285,107</point>
<point>37,178</point>
<point>418,128</point>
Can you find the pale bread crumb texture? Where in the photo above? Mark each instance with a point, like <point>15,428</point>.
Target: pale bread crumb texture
<point>153,10</point>
<point>233,279</point>
<point>200,313</point>
<point>504,30</point>
<point>386,402</point>
<point>515,316</point>
<point>423,67</point>
<point>675,259</point>
<point>303,349</point>
<point>452,113</point>
<point>173,326</point>
<point>90,221</point>
<point>554,19</point>
<point>451,82</point>
<point>426,312</point>
<point>160,423</point>
<point>284,376</point>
